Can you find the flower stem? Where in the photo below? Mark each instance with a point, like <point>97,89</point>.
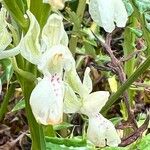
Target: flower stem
<point>129,48</point>
<point>9,94</point>
<point>37,135</point>
<point>26,75</point>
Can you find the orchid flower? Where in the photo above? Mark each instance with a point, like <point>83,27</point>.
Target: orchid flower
<point>102,132</point>
<point>90,104</point>
<point>108,12</point>
<point>5,37</point>
<point>47,97</point>
<point>32,46</point>
<point>53,33</point>
<point>52,57</point>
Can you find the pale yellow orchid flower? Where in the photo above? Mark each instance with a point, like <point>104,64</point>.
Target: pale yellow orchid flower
<point>52,57</point>
<point>90,104</point>
<point>108,12</point>
<point>47,97</point>
<point>53,33</point>
<point>102,132</point>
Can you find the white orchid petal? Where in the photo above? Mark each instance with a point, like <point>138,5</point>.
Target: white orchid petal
<point>47,101</point>
<point>96,131</point>
<point>101,132</point>
<point>30,43</point>
<point>102,12</point>
<point>93,7</point>
<point>120,15</point>
<point>53,32</point>
<point>5,36</point>
<point>71,102</point>
<point>3,22</point>
<point>94,102</point>
<point>64,40</point>
<point>112,137</point>
<point>9,53</point>
<point>72,78</point>
<point>87,82</point>
<point>55,4</point>
<point>5,39</point>
<point>56,59</point>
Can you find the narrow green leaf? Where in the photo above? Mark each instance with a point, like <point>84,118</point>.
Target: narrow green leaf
<point>115,148</point>
<point>40,10</point>
<point>51,146</point>
<point>63,125</point>
<point>75,142</point>
<point>19,105</point>
<point>17,12</point>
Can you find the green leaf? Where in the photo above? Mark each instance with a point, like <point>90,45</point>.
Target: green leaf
<point>102,59</point>
<point>73,4</point>
<point>63,125</point>
<point>115,148</point>
<point>142,5</point>
<point>116,120</point>
<point>51,146</point>
<point>126,85</point>
<point>40,10</point>
<point>129,7</point>
<point>8,71</point>
<point>22,5</point>
<point>89,49</point>
<point>142,144</point>
<point>75,142</point>
<point>136,31</point>
<point>74,19</point>
<point>19,105</point>
<point>113,83</point>
<point>17,9</point>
